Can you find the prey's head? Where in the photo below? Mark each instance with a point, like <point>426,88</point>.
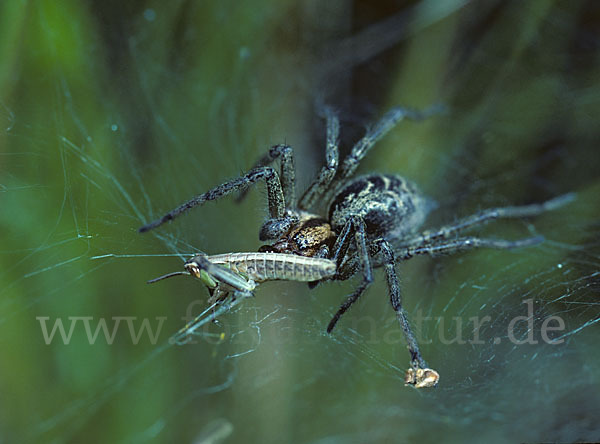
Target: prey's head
<point>196,268</point>
<point>193,267</point>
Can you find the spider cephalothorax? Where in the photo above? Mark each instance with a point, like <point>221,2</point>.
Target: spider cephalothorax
<point>371,221</point>
<point>390,206</point>
<point>308,235</point>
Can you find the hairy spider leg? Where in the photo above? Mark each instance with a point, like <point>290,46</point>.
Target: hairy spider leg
<point>362,147</point>
<point>274,193</point>
<point>340,248</point>
<point>323,252</point>
<point>354,225</point>
<point>318,187</point>
<point>513,212</point>
<point>287,175</point>
<point>466,243</point>
<point>389,265</point>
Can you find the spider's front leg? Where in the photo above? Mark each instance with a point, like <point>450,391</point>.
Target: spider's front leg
<point>356,226</point>
<point>373,135</point>
<point>277,226</point>
<point>287,173</point>
<point>318,188</point>
<point>274,192</point>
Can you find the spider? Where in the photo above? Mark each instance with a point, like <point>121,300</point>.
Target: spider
<point>371,221</point>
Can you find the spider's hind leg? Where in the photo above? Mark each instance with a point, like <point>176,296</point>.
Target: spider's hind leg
<point>513,212</point>
<point>465,243</point>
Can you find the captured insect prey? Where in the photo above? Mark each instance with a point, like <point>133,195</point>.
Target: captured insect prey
<point>240,272</point>
<point>235,275</point>
<point>370,221</point>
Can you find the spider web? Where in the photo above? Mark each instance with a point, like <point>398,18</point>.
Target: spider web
<point>119,129</point>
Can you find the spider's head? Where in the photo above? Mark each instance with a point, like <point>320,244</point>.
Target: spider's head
<point>297,233</point>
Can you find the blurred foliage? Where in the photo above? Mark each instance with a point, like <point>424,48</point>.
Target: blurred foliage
<point>113,113</point>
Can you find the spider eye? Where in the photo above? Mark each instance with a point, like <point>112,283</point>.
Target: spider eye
<point>275,228</point>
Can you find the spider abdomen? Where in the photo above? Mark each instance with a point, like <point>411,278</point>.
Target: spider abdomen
<point>390,205</point>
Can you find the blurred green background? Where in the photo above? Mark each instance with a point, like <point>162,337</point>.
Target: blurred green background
<point>113,113</point>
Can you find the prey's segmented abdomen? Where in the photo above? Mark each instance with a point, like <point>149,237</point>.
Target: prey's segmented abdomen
<point>262,267</point>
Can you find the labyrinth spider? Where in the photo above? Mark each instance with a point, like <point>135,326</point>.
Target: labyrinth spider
<point>371,221</point>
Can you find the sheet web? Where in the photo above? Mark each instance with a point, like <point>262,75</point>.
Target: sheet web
<point>287,322</point>
<point>78,185</point>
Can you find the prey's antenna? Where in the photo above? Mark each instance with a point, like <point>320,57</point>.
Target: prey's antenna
<point>160,278</point>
